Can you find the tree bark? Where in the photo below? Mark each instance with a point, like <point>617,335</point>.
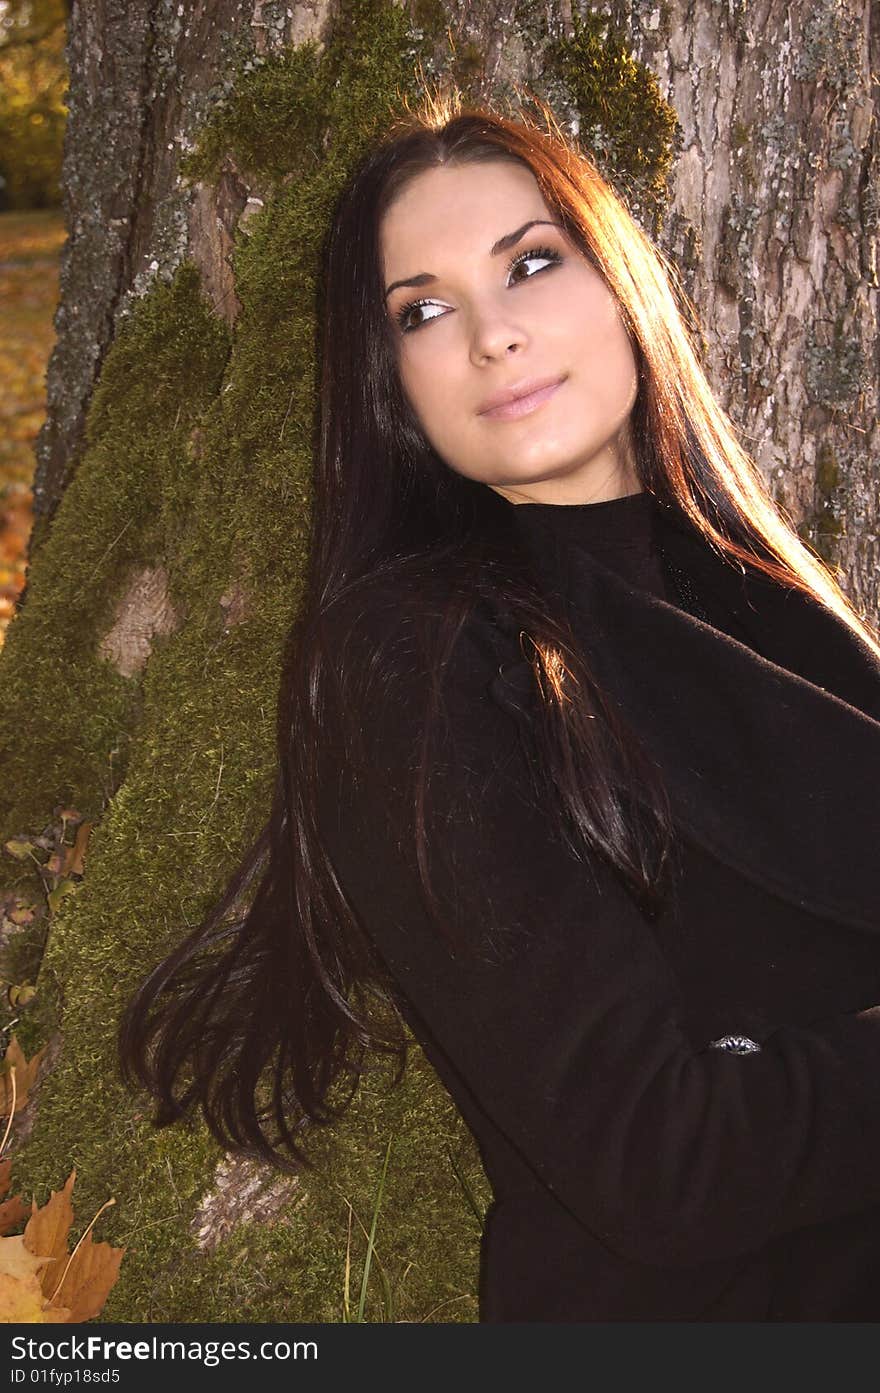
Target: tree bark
<point>143,75</point>
<point>773,221</point>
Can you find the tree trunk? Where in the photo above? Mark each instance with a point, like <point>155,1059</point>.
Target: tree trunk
<point>170,498</point>
<point>774,220</point>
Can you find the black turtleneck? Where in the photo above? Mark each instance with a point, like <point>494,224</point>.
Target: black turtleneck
<point>620,532</point>
<point>641,1169</point>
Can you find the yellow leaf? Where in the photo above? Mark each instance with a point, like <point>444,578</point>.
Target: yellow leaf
<point>20,1299</point>
<point>63,888</point>
<point>18,848</point>
<point>21,993</point>
<point>21,1295</point>
<point>17,1259</point>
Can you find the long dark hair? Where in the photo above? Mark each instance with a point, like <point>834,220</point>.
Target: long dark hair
<point>264,1015</point>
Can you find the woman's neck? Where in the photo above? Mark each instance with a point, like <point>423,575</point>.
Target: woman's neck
<point>618,482</point>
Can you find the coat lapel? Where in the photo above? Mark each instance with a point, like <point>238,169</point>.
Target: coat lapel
<point>771,753</point>
<point>784,625</point>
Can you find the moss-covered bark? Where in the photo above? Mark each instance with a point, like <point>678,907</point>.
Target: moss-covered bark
<point>195,477</point>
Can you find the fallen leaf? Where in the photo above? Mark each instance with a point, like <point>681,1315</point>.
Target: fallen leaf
<point>22,914</point>
<point>92,1273</point>
<point>21,1294</point>
<point>63,888</point>
<point>25,1076</point>
<point>14,1210</point>
<point>74,862</point>
<point>20,1299</point>
<point>20,993</point>
<point>18,1260</point>
<point>18,848</point>
<point>46,1232</point>
<point>77,1283</point>
<point>12,1213</point>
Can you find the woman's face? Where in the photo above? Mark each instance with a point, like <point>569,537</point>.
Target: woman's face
<point>498,310</point>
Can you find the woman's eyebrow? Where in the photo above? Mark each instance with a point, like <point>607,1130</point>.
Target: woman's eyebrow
<point>502,245</point>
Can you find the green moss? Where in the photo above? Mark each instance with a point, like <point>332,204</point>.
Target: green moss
<point>822,528</point>
<point>739,134</point>
<point>198,459</point>
<point>266,137</point>
<point>827,471</point>
<point>624,121</point>
<point>119,513</point>
<point>826,524</point>
<point>469,65</point>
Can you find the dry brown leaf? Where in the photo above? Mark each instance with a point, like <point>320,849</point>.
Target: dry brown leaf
<point>12,1213</point>
<point>46,1232</point>
<point>74,860</point>
<point>92,1273</point>
<point>14,1210</point>
<point>22,913</point>
<point>25,1076</point>
<point>79,1283</point>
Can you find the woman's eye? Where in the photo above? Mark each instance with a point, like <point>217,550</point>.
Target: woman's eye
<point>403,314</point>
<point>535,254</point>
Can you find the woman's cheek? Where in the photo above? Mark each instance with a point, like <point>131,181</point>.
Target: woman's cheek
<point>428,385</point>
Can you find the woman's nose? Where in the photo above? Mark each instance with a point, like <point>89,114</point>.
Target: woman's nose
<point>494,334</point>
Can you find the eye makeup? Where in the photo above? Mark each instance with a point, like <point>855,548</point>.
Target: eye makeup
<point>531,253</point>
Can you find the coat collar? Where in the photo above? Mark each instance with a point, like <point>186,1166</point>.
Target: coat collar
<point>770,750</point>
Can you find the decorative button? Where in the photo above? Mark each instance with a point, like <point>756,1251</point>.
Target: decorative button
<point>736,1044</point>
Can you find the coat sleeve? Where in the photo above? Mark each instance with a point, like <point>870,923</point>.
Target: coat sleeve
<point>566,1029</point>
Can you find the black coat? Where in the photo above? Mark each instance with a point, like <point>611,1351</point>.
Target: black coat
<point>640,1171</point>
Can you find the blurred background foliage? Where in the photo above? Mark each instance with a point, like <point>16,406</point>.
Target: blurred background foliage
<point>33,88</point>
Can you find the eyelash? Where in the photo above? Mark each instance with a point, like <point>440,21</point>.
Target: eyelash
<point>546,253</point>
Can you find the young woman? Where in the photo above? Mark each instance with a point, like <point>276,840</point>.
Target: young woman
<point>578,757</point>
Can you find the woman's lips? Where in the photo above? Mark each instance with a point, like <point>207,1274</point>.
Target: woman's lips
<point>522,406</point>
